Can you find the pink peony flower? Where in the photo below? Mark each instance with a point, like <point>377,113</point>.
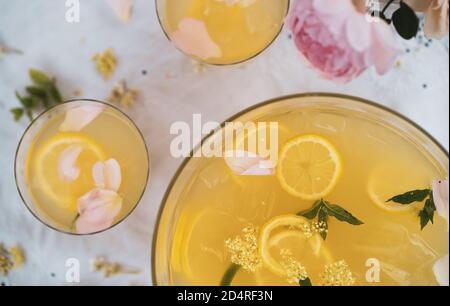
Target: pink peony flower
<point>339,41</point>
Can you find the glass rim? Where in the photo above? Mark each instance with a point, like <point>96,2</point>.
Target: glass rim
<point>269,44</point>
<point>186,160</point>
<point>47,111</point>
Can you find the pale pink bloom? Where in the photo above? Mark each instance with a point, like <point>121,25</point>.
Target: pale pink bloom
<point>79,117</point>
<point>441,272</point>
<point>107,175</point>
<point>193,38</point>
<point>67,169</point>
<point>440,197</point>
<point>338,40</point>
<point>247,163</point>
<point>97,210</point>
<point>122,8</point>
<point>437,17</point>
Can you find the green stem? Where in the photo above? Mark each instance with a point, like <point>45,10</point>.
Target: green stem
<point>74,221</point>
<point>229,275</point>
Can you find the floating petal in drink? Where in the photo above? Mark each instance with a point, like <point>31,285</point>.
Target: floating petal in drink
<point>440,196</point>
<point>247,163</point>
<point>67,169</point>
<point>192,37</point>
<point>97,210</point>
<point>79,117</point>
<point>107,175</point>
<point>440,270</point>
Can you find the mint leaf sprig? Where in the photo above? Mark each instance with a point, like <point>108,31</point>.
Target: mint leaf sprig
<point>426,215</point>
<point>323,210</point>
<point>43,93</point>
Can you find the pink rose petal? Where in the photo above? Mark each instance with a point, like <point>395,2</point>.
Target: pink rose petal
<point>247,163</point>
<point>193,38</point>
<point>441,271</point>
<point>440,196</point>
<point>122,8</point>
<point>341,8</point>
<point>385,47</point>
<point>97,210</point>
<point>67,169</point>
<point>359,32</point>
<point>107,175</point>
<point>79,117</point>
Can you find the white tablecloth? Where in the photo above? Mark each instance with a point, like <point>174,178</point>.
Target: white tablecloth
<point>173,89</point>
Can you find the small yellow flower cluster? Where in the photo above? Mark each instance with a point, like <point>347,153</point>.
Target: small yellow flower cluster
<point>17,256</point>
<point>319,227</point>
<point>110,269</point>
<point>106,63</point>
<point>310,229</point>
<point>244,249</point>
<point>10,259</point>
<point>295,271</point>
<point>337,274</point>
<point>123,95</point>
<point>306,228</point>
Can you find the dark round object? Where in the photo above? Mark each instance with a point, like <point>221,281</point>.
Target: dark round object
<point>406,21</point>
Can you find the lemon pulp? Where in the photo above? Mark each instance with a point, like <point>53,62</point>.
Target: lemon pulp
<point>309,167</point>
<point>65,194</point>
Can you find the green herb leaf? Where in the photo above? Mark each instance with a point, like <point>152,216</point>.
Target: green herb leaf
<point>411,197</point>
<point>312,212</point>
<point>25,101</point>
<point>54,92</point>
<point>36,91</point>
<point>427,213</point>
<point>342,215</point>
<point>39,77</point>
<point>229,275</point>
<point>43,93</point>
<point>29,114</point>
<point>323,210</point>
<point>305,282</point>
<point>17,113</point>
<point>74,222</point>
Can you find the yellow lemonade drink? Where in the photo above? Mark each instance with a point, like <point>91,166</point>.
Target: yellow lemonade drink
<point>85,167</point>
<point>263,230</point>
<point>222,32</point>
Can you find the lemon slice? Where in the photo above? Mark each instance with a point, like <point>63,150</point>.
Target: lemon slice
<point>386,182</point>
<point>290,232</point>
<point>309,167</point>
<point>65,194</point>
<point>199,242</point>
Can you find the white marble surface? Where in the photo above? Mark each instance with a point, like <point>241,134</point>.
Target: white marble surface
<point>171,90</point>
